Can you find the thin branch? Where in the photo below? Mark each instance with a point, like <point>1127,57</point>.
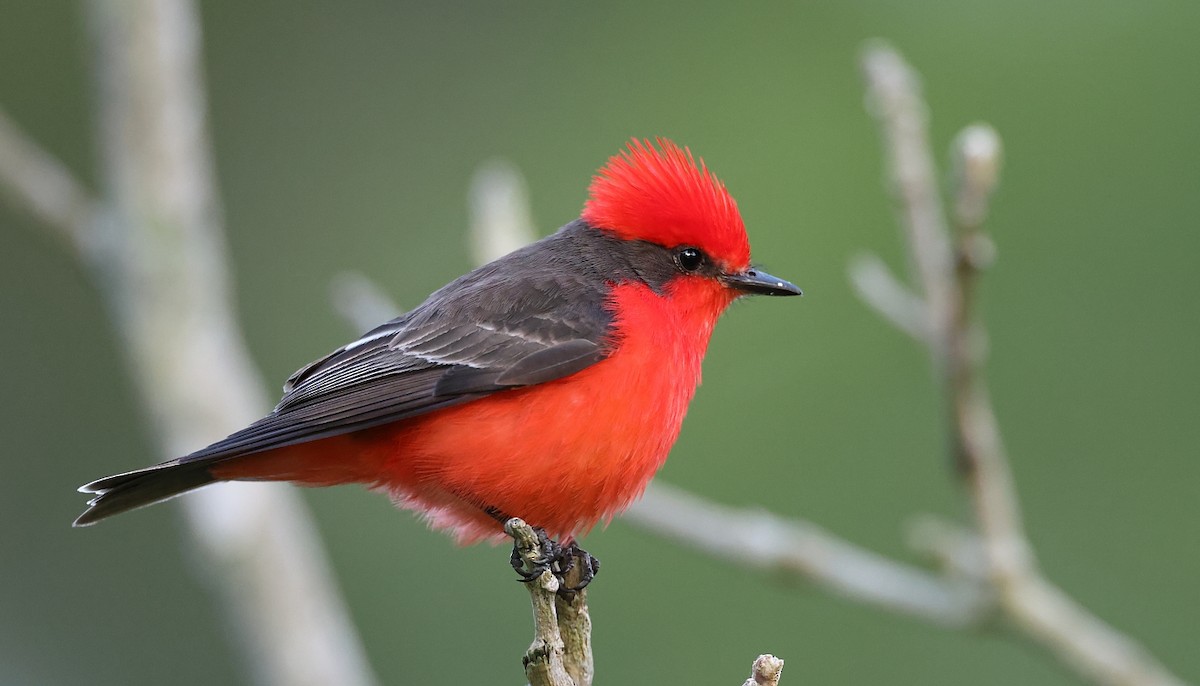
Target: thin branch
<point>544,661</point>
<point>946,280</point>
<point>879,288</point>
<point>575,627</point>
<point>765,672</point>
<point>975,172</point>
<point>956,549</point>
<point>801,550</point>
<point>500,218</point>
<point>948,267</point>
<point>360,301</point>
<point>894,97</point>
<point>41,185</point>
<point>157,252</point>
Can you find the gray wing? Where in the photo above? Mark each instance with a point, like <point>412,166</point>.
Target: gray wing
<point>473,338</point>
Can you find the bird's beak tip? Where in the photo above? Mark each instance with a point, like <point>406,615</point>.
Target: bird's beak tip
<point>757,281</point>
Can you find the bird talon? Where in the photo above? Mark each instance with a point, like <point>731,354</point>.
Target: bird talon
<point>588,567</point>
<point>560,560</point>
<point>548,552</point>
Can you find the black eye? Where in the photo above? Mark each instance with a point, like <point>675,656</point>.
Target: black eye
<point>689,259</point>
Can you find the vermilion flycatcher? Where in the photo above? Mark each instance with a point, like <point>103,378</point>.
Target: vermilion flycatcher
<point>549,384</point>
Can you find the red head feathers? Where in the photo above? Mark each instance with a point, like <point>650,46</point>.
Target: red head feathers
<point>662,196</point>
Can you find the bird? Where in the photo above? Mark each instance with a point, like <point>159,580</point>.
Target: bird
<point>549,384</point>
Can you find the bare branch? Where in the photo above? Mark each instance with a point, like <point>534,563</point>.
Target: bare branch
<point>803,551</point>
<point>360,301</point>
<point>1044,611</point>
<point>500,218</point>
<point>955,344</point>
<point>975,161</point>
<point>575,627</point>
<point>948,268</point>
<point>544,661</point>
<point>1083,641</point>
<point>43,186</point>
<point>956,549</point>
<point>160,262</point>
<point>766,671</point>
<point>894,97</point>
<point>879,288</point>
<point>166,279</point>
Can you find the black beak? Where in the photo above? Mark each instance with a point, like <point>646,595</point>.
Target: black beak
<point>758,282</point>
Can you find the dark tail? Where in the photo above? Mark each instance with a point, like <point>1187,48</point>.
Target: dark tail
<point>123,492</point>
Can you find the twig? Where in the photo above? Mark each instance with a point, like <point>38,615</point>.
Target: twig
<point>360,301</point>
<point>801,550</point>
<point>893,96</point>
<point>766,671</point>
<point>893,93</point>
<point>500,218</point>
<point>879,288</point>
<point>575,627</point>
<point>544,661</point>
<point>40,184</point>
<point>947,268</point>
<point>156,250</point>
<point>979,451</point>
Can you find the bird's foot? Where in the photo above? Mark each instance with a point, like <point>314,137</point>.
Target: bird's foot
<point>548,556</point>
<point>579,570</point>
<point>573,566</point>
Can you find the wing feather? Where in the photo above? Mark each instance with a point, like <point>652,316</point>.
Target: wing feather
<point>484,333</point>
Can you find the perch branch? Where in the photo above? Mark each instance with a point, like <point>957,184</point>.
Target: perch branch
<point>575,627</point>
<point>766,671</point>
<point>545,662</point>
<point>947,268</point>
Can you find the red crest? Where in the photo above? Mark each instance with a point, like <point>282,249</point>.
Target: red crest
<point>663,196</point>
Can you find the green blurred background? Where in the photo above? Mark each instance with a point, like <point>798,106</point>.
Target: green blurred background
<point>346,137</point>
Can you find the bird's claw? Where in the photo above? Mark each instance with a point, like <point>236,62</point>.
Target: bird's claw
<point>559,560</point>
<point>529,570</point>
<point>577,558</point>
